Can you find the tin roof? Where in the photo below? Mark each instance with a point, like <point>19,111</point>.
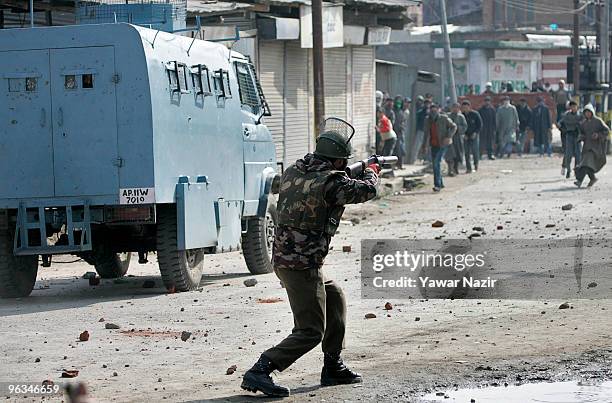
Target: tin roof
<point>215,7</point>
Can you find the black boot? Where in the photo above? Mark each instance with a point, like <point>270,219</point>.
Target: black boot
<point>258,379</point>
<point>336,373</point>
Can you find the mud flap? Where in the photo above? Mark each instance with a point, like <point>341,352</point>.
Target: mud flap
<point>195,207</point>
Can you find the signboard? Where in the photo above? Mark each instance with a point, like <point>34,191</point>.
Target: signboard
<point>516,72</point>
<point>379,35</point>
<point>456,53</point>
<point>333,30</point>
<point>517,54</point>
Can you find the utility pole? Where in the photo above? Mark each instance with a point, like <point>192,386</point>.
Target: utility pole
<point>604,41</point>
<point>31,13</point>
<point>576,46</point>
<point>317,61</point>
<point>450,72</point>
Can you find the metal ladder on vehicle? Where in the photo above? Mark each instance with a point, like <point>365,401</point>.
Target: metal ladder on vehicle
<point>23,245</point>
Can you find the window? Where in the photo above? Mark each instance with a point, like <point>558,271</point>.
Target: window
<point>15,84</point>
<point>246,86</point>
<point>87,81</point>
<point>200,80</point>
<point>177,77</point>
<point>70,82</point>
<point>221,81</point>
<point>30,84</point>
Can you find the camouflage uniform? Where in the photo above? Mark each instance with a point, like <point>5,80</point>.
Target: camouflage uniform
<point>311,202</point>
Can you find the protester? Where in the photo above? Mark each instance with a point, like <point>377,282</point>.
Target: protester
<point>406,129</point>
<point>507,123</point>
<point>487,135</point>
<point>570,128</point>
<point>541,125</point>
<point>594,133</point>
<point>379,98</point>
<point>472,135</point>
<point>387,135</point>
<point>388,109</point>
<point>421,115</point>
<point>454,154</point>
<point>488,89</point>
<point>439,132</point>
<point>561,98</point>
<point>509,87</point>
<point>524,114</point>
<point>399,126</point>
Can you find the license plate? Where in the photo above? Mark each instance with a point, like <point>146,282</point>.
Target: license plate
<point>137,196</point>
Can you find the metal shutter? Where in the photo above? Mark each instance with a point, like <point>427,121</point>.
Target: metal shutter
<point>297,117</point>
<point>334,70</point>
<point>272,78</point>
<point>363,98</point>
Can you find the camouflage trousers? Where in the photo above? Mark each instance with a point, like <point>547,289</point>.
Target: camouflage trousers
<point>319,316</point>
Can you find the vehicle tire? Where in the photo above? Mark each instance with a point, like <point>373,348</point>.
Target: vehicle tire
<point>258,239</point>
<point>17,273</point>
<point>181,270</point>
<point>109,264</point>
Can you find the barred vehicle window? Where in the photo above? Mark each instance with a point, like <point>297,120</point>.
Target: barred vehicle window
<point>246,84</point>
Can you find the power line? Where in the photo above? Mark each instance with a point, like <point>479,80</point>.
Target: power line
<point>541,9</point>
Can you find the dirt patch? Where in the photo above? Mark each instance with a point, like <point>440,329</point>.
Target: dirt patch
<point>151,333</point>
<point>269,300</point>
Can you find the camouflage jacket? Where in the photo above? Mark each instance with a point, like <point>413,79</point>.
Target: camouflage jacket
<point>299,248</point>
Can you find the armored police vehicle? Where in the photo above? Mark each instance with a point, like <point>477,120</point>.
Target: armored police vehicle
<point>117,139</point>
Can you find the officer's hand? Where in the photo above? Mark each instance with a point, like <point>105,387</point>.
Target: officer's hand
<point>375,167</point>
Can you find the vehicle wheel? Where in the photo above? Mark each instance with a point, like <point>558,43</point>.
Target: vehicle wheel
<point>181,270</point>
<point>257,241</point>
<point>17,273</point>
<point>109,264</point>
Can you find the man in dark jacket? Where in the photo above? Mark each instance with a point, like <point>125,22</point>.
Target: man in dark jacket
<point>313,192</point>
<point>439,132</point>
<point>489,129</point>
<point>595,135</point>
<point>569,124</point>
<point>524,114</point>
<point>399,127</point>
<point>472,135</point>
<point>541,125</point>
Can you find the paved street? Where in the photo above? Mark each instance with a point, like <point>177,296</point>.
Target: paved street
<point>417,347</point>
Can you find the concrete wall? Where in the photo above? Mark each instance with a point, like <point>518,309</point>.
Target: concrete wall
<point>419,56</point>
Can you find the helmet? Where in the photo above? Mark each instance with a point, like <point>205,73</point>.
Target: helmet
<point>335,139</point>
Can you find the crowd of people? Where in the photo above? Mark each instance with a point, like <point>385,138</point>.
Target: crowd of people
<point>461,135</point>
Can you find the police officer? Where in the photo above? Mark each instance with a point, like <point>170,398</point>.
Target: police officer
<point>311,200</point>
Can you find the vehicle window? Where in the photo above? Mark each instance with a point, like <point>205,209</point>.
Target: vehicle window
<point>218,80</point>
<point>226,84</point>
<point>200,79</point>
<point>177,76</point>
<point>70,82</point>
<point>246,86</point>
<point>30,84</point>
<point>87,81</point>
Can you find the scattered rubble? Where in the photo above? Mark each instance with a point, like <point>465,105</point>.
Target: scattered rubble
<point>231,370</point>
<point>388,306</point>
<point>250,282</point>
<point>346,248</point>
<point>370,315</point>
<point>567,207</point>
<point>437,224</point>
<point>84,336</point>
<point>185,335</point>
<point>564,305</point>
<point>70,373</point>
<point>111,326</point>
<point>89,274</point>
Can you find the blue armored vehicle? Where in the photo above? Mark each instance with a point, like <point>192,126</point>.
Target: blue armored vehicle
<point>117,139</point>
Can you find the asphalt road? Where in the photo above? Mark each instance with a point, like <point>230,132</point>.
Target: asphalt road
<point>418,346</point>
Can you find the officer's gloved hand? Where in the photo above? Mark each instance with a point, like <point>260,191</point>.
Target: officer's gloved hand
<point>375,167</point>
